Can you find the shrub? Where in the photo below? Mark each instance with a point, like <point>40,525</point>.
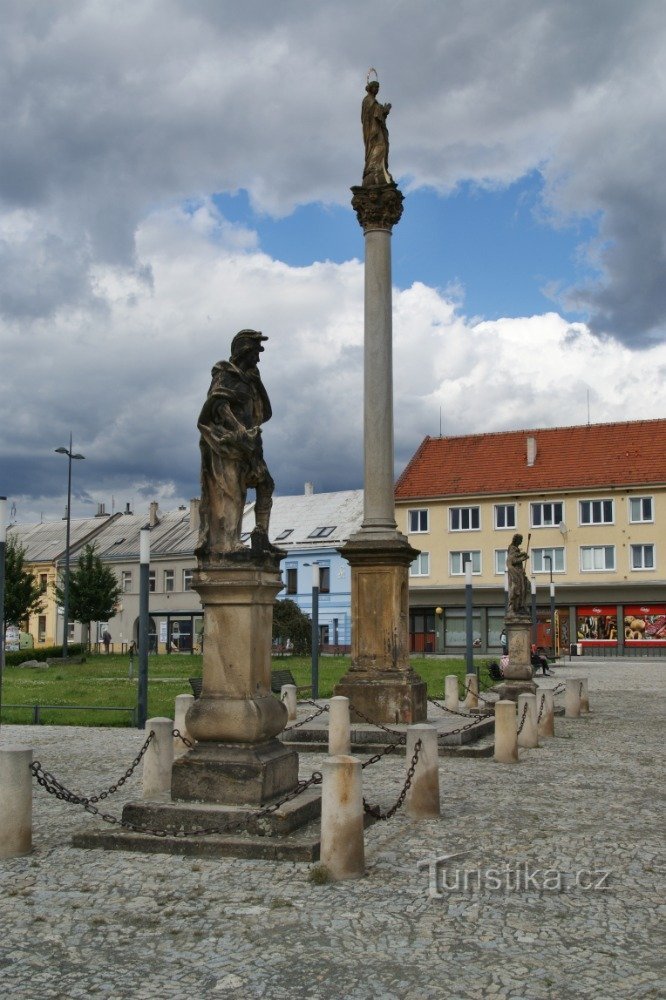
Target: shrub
<point>43,653</point>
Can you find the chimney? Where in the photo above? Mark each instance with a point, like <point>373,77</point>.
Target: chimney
<point>531,450</point>
<point>194,513</point>
<point>309,490</point>
<point>128,507</point>
<point>101,510</point>
<point>153,518</point>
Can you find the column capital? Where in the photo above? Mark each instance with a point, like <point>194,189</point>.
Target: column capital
<point>377,206</point>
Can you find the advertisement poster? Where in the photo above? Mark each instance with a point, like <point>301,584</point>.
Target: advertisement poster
<point>597,623</point>
<point>645,624</point>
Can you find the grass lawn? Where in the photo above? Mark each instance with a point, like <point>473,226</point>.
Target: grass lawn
<point>103,681</point>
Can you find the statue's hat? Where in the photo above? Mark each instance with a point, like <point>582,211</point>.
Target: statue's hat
<point>246,337</point>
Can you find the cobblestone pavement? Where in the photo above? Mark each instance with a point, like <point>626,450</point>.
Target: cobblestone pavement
<point>92,924</point>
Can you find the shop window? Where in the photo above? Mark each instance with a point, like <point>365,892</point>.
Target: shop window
<point>546,515</point>
<point>457,562</point>
<point>417,520</point>
<point>596,558</point>
<point>642,556</point>
<point>187,579</point>
<point>421,565</point>
<point>540,557</point>
<point>292,579</point>
<point>126,581</point>
<point>505,515</point>
<point>464,518</point>
<point>169,581</point>
<point>596,511</point>
<point>640,510</point>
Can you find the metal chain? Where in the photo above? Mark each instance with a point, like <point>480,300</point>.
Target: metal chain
<point>541,708</point>
<point>179,736</point>
<point>522,721</point>
<point>486,701</point>
<point>375,810</point>
<point>303,722</point>
<point>453,711</point>
<point>390,748</point>
<point>55,787</point>
<point>462,729</point>
<point>559,688</point>
<point>378,725</point>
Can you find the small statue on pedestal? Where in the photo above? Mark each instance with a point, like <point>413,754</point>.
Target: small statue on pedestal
<point>519,586</point>
<point>375,137</point>
<point>232,457</point>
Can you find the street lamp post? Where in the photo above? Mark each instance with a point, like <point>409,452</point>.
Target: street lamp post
<point>144,623</point>
<point>3,524</point>
<point>65,603</point>
<point>549,560</point>
<point>469,623</point>
<point>534,610</point>
<point>315,630</point>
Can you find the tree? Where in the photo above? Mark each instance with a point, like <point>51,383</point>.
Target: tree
<point>23,596</point>
<point>289,622</point>
<point>93,590</point>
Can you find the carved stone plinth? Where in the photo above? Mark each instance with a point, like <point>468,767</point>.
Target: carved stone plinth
<point>518,673</point>
<point>377,206</point>
<point>236,775</point>
<point>381,683</point>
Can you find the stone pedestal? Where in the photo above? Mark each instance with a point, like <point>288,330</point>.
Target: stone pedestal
<point>518,673</point>
<point>235,720</point>
<point>381,683</point>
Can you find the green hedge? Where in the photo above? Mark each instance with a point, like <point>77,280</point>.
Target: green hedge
<point>43,653</point>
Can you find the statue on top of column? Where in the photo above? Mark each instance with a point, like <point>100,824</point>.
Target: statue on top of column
<point>232,456</point>
<point>375,137</point>
<point>519,585</point>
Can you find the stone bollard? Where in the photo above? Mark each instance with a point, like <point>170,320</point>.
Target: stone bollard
<point>158,759</point>
<point>584,697</point>
<point>506,740</point>
<point>472,685</point>
<point>15,801</point>
<point>572,698</point>
<point>546,704</point>
<point>422,799</point>
<point>288,694</point>
<point>342,850</point>
<point>183,702</point>
<point>339,729</point>
<point>451,691</point>
<point>528,736</point>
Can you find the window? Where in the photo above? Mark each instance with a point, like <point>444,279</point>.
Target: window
<point>640,509</point>
<point>642,556</point>
<point>421,565</point>
<point>324,635</point>
<point>464,518</point>
<point>284,534</point>
<point>540,563</point>
<point>500,561</point>
<point>458,560</point>
<point>187,579</point>
<point>324,579</point>
<point>169,581</point>
<point>417,521</point>
<point>596,511</point>
<point>505,515</point>
<point>292,579</point>
<point>43,579</point>
<point>322,532</point>
<point>595,558</point>
<point>41,628</point>
<point>126,581</point>
<point>151,581</point>
<point>546,515</point>
<point>245,536</point>
<point>70,630</point>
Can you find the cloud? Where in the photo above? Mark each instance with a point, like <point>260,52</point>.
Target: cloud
<point>137,370</point>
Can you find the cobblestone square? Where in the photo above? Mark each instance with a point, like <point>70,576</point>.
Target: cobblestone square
<point>78,923</point>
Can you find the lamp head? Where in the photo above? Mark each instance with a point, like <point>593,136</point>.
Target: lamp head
<point>61,451</point>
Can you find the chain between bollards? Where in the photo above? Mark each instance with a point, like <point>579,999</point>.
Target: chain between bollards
<point>303,722</point>
<point>522,721</point>
<point>375,811</point>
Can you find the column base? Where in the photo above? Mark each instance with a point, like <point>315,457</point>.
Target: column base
<point>233,774</point>
<point>509,690</point>
<point>386,697</point>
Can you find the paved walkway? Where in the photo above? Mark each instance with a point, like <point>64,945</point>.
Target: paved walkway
<point>90,924</point>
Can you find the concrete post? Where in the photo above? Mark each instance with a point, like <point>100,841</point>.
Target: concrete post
<point>528,736</point>
<point>288,694</point>
<point>342,850</point>
<point>422,799</point>
<point>584,697</point>
<point>339,730</point>
<point>183,702</point>
<point>15,801</point>
<point>472,697</point>
<point>506,741</point>
<point>451,691</point>
<point>546,706</point>
<point>158,759</point>
<point>572,698</point>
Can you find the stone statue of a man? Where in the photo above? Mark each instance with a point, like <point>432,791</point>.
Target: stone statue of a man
<point>519,586</point>
<point>231,453</point>
<point>375,137</point>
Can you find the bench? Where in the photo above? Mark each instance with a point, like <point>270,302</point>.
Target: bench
<point>278,678</point>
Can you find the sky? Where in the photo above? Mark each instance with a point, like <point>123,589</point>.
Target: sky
<point>172,171</point>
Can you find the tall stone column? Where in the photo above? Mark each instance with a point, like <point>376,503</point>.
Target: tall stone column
<point>380,683</point>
